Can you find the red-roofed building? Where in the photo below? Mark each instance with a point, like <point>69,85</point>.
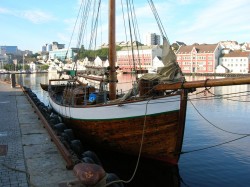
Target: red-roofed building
<point>201,58</point>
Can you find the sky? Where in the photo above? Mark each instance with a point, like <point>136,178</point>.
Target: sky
<point>30,24</point>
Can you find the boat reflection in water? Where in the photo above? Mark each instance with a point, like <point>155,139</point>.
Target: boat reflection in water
<point>150,173</point>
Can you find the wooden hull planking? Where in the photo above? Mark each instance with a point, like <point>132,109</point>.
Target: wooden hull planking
<point>163,134</point>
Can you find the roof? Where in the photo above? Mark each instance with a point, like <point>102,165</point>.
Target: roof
<point>236,53</point>
<point>180,43</point>
<point>202,48</point>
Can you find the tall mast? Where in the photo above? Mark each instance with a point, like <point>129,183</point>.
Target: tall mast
<point>112,51</point>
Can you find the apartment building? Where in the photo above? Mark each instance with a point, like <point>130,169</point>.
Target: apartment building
<point>152,39</point>
<point>138,59</point>
<point>236,61</point>
<point>199,58</point>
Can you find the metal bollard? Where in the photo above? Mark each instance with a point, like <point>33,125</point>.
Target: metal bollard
<point>13,80</point>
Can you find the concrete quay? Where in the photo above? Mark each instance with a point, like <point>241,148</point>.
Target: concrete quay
<point>28,157</point>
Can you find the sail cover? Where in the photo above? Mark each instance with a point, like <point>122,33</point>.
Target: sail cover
<point>171,71</point>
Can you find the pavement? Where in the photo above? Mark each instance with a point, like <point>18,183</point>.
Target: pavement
<point>28,157</point>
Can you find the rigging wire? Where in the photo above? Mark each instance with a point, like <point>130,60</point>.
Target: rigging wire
<point>131,36</point>
<point>79,11</point>
<point>126,35</point>
<point>94,25</point>
<point>136,32</point>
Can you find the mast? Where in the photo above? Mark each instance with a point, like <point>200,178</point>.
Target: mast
<point>112,51</point>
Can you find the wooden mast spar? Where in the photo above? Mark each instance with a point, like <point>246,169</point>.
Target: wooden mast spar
<point>204,83</point>
<point>112,51</point>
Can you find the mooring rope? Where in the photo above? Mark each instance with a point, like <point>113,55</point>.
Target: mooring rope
<point>243,135</point>
<point>230,132</point>
<point>140,150</point>
<point>212,146</point>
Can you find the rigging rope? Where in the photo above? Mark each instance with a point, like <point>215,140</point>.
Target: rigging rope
<point>158,20</point>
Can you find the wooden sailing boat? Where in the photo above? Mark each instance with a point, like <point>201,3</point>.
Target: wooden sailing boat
<point>149,123</point>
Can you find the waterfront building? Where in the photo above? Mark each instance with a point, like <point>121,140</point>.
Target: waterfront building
<point>236,61</point>
<point>156,65</point>
<point>101,61</point>
<point>197,58</point>
<point>142,60</point>
<point>88,61</point>
<point>33,66</point>
<point>60,54</point>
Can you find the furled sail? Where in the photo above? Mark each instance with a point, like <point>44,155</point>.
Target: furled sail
<point>171,71</point>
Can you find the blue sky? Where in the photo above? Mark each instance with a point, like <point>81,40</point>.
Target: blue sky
<point>29,24</point>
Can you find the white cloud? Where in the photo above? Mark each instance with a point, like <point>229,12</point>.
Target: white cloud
<point>37,16</point>
<point>221,20</point>
<point>4,11</point>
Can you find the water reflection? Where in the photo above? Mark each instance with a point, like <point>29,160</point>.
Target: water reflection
<point>149,173</point>
<point>225,165</point>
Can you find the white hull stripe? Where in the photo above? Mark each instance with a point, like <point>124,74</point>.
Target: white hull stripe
<point>132,110</point>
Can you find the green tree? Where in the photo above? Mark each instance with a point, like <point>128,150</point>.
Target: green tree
<point>9,67</point>
<point>44,67</point>
<point>26,67</point>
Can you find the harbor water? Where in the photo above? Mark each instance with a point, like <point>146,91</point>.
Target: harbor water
<point>216,142</point>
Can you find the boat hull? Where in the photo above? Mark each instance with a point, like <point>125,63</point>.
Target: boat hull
<point>158,124</point>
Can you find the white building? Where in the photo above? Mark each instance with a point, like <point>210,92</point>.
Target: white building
<point>156,65</point>
<point>33,67</point>
<point>221,69</point>
<point>101,62</point>
<point>235,61</point>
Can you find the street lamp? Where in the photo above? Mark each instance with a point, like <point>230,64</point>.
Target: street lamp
<point>23,60</point>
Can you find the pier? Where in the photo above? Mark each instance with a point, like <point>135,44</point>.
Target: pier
<point>28,157</point>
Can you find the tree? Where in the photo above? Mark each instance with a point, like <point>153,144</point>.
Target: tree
<point>44,67</point>
<point>26,67</point>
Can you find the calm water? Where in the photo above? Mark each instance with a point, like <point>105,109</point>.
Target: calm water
<point>210,121</point>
